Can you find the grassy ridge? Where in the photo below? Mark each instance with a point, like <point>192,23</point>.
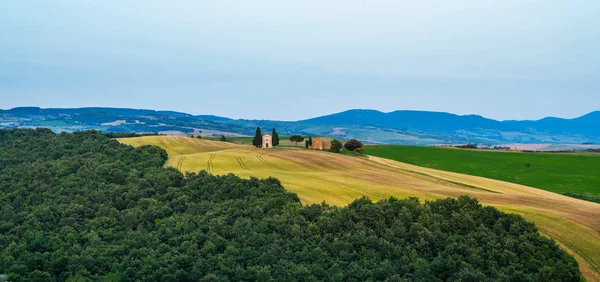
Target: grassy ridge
<point>559,173</point>
<point>178,145</point>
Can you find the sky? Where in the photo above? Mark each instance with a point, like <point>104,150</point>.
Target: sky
<point>290,60</point>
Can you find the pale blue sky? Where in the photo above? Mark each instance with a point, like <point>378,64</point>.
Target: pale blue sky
<point>505,59</point>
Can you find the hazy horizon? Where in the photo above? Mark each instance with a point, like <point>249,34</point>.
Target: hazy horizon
<point>505,60</point>
<point>250,118</point>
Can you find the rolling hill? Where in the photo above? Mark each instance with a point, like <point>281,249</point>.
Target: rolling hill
<point>450,123</point>
<point>83,207</point>
<point>408,120</point>
<point>398,127</point>
<point>119,120</point>
<point>338,179</point>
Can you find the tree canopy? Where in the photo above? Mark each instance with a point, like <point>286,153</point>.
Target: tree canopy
<point>336,146</point>
<point>353,144</point>
<point>296,139</point>
<point>84,207</point>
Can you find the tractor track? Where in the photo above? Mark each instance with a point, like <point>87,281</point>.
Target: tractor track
<point>163,142</point>
<point>180,163</point>
<point>270,164</point>
<point>210,167</point>
<point>242,164</point>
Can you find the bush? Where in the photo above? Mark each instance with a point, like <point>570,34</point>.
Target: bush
<point>336,146</point>
<point>468,146</point>
<point>360,151</point>
<point>353,144</point>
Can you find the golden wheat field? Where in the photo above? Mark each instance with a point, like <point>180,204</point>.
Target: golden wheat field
<point>339,179</point>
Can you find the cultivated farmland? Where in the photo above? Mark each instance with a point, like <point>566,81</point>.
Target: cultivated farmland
<point>338,179</point>
<point>577,173</point>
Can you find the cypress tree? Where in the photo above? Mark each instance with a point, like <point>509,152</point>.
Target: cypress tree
<point>309,140</point>
<point>275,138</point>
<point>257,142</point>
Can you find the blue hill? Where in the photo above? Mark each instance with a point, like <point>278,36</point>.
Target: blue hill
<point>400,127</point>
<point>441,122</point>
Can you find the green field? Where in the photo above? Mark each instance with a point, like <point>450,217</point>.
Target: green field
<point>556,172</point>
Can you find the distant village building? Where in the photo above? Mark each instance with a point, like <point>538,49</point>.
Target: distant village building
<point>267,141</point>
<point>319,143</point>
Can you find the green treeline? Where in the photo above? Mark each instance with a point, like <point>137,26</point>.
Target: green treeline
<point>82,207</point>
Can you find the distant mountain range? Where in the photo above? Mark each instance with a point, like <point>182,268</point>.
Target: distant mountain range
<point>398,127</point>
<point>587,125</point>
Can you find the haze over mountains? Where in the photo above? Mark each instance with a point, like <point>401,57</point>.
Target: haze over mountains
<point>398,127</point>
<point>449,123</point>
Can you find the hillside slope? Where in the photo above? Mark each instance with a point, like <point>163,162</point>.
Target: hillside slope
<point>83,207</point>
<point>337,179</point>
<point>559,173</point>
<point>398,127</point>
<point>408,120</point>
<point>118,120</point>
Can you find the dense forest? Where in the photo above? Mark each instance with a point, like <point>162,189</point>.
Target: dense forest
<point>83,207</point>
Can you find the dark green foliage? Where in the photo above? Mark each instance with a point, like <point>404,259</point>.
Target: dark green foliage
<point>594,199</point>
<point>336,146</point>
<point>81,206</point>
<point>296,139</point>
<point>275,137</point>
<point>257,141</point>
<point>353,144</point>
<point>223,138</point>
<point>309,140</point>
<point>467,146</point>
<point>306,144</point>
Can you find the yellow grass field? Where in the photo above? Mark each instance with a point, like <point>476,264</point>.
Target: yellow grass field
<point>338,179</point>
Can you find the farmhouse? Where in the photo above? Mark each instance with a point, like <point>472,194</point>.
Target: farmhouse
<point>267,141</point>
<point>319,143</point>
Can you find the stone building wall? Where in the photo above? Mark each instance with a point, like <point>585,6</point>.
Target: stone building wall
<point>320,144</point>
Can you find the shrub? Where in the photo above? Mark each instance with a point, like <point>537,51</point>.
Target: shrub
<point>353,144</point>
<point>336,146</point>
